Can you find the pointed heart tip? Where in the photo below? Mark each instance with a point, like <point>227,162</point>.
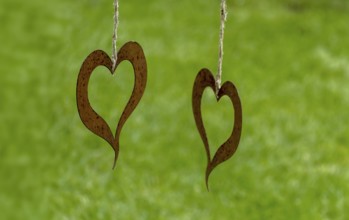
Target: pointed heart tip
<point>207,187</point>
<point>114,164</point>
<point>208,171</point>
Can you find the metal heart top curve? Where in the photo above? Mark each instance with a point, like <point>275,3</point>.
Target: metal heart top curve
<point>203,80</point>
<point>130,51</point>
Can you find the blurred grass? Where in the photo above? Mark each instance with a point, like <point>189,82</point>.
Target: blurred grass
<point>289,60</point>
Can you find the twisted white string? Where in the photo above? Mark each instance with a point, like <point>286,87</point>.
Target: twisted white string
<point>221,38</point>
<point>115,32</point>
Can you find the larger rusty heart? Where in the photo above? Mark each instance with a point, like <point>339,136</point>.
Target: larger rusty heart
<point>203,80</point>
<point>132,52</point>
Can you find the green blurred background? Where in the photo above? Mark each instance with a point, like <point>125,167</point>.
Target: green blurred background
<point>289,60</point>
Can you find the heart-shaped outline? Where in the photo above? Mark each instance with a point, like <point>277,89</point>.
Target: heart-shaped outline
<point>227,149</point>
<point>130,51</point>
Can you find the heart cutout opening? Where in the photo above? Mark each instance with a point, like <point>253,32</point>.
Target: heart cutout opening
<point>109,94</point>
<point>218,119</point>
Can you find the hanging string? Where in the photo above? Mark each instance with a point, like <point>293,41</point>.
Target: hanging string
<point>115,32</point>
<point>221,38</point>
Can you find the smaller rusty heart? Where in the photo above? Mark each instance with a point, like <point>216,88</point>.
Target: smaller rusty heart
<point>227,149</point>
<point>132,52</point>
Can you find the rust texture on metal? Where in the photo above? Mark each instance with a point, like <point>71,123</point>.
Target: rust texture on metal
<point>131,52</point>
<point>203,80</point>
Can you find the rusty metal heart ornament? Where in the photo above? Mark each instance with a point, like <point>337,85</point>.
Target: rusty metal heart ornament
<point>132,52</point>
<point>203,80</point>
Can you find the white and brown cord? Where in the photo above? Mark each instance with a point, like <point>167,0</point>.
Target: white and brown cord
<point>221,38</point>
<point>115,32</point>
